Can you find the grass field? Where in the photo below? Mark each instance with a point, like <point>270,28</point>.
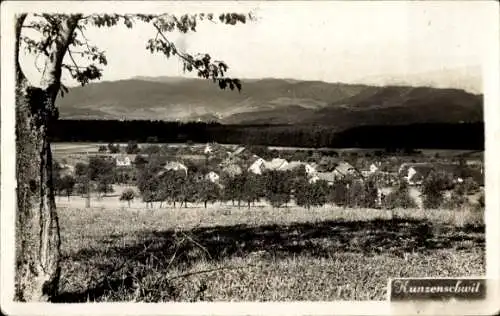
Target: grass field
<point>259,254</point>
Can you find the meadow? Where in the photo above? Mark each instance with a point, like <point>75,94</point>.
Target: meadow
<point>222,253</point>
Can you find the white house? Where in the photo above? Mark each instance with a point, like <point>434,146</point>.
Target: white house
<point>123,161</point>
<point>257,166</point>
<point>176,166</point>
<point>374,167</point>
<point>310,168</point>
<point>207,150</point>
<point>276,164</point>
<point>212,177</point>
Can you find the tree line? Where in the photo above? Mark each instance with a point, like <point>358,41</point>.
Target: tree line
<point>178,188</point>
<point>431,135</point>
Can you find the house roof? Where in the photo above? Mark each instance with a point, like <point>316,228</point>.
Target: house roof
<point>174,165</point>
<point>293,165</point>
<point>275,164</point>
<point>238,151</point>
<point>345,168</point>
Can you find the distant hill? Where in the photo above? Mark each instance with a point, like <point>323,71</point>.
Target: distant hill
<point>270,101</point>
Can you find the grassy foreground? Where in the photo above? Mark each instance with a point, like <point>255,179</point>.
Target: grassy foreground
<point>260,254</point>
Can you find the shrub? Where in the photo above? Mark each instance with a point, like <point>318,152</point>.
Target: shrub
<point>127,195</point>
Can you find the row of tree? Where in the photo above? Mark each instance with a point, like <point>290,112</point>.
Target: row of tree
<point>435,135</point>
<point>277,187</point>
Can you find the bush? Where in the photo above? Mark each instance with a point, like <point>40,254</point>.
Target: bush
<point>399,198</point>
<point>127,195</point>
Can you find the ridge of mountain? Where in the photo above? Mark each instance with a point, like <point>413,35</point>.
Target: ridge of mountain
<point>269,101</point>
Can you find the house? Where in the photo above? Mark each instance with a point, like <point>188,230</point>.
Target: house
<point>343,169</point>
<point>374,167</point>
<point>123,161</point>
<point>276,164</point>
<point>292,165</point>
<point>175,166</point>
<point>330,177</point>
<point>311,168</point>
<point>212,177</point>
<point>208,149</point>
<point>415,173</point>
<point>238,151</point>
<point>257,166</point>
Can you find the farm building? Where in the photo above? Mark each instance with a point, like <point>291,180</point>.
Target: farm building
<point>123,161</point>
<point>415,173</point>
<point>257,165</point>
<point>175,166</point>
<point>346,169</point>
<point>329,177</point>
<point>292,165</point>
<point>276,164</point>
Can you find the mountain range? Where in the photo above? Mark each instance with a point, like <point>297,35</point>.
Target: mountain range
<point>270,101</point>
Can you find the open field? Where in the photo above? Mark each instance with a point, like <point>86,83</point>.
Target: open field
<point>261,254</point>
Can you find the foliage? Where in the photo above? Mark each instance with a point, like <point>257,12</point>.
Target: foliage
<point>81,169</point>
<point>311,194</point>
<point>148,181</point>
<point>208,191</point>
<point>113,148</point>
<point>338,193</point>
<point>433,189</point>
<point>140,161</point>
<point>150,149</point>
<point>399,198</point>
<point>132,147</point>
<point>102,149</point>
<point>65,184</point>
<point>127,195</point>
<point>277,186</point>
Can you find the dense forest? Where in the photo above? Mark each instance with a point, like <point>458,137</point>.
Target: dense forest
<point>429,135</point>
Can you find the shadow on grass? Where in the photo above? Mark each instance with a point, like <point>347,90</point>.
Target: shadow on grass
<point>322,240</point>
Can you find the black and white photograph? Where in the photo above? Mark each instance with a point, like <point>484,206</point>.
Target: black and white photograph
<point>249,152</point>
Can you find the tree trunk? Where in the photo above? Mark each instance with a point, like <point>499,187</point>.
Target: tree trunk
<point>38,255</point>
<point>205,204</point>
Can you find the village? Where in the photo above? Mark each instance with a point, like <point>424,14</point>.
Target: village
<point>217,162</point>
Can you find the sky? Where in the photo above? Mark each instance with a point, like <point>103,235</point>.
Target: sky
<point>334,41</point>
